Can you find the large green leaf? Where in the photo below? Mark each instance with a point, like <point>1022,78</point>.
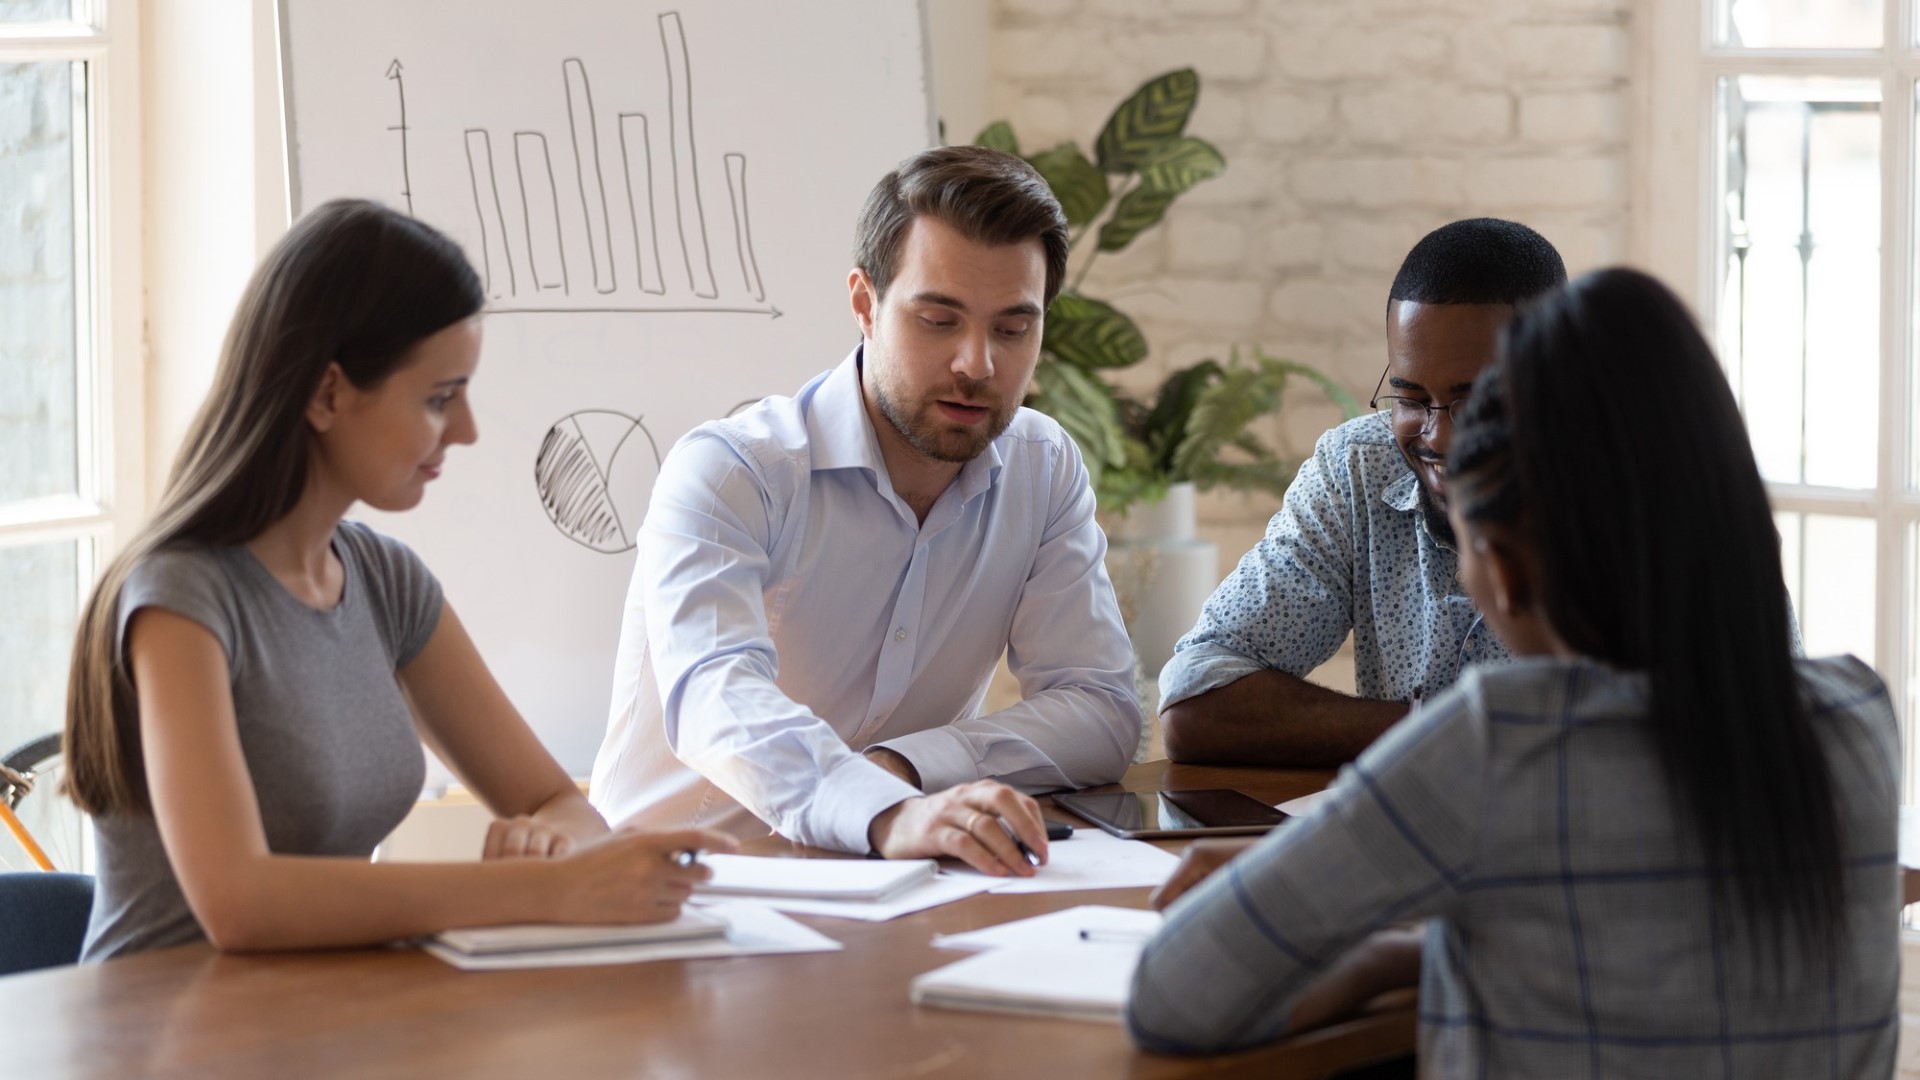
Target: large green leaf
<point>1180,164</point>
<point>1092,334</point>
<point>1139,210</point>
<point>1085,407</point>
<point>999,136</point>
<point>1155,113</point>
<point>1167,422</point>
<point>1079,185</point>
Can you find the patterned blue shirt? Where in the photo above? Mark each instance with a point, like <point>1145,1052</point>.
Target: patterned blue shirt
<point>1572,932</point>
<point>1350,550</point>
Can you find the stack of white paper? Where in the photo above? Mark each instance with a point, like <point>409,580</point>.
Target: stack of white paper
<point>503,940</point>
<point>1086,982</point>
<point>749,930</point>
<point>814,879</point>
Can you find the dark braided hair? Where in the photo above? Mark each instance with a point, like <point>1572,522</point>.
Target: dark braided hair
<point>1605,436</point>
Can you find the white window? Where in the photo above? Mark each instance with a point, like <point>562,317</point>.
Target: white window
<point>71,400</point>
<point>1779,197</point>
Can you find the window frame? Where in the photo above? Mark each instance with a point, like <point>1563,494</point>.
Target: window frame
<point>110,353</point>
<point>1676,236</point>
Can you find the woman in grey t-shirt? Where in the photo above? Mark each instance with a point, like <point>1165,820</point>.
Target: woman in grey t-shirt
<point>253,674</point>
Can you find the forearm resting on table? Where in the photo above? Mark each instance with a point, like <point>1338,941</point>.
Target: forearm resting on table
<point>1273,718</point>
<point>1388,960</point>
<point>270,902</point>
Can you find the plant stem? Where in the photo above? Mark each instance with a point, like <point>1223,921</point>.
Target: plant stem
<point>1088,265</point>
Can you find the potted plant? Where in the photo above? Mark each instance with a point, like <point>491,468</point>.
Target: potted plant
<point>1146,458</point>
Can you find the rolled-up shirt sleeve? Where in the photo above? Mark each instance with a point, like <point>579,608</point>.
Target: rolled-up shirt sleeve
<point>1079,718</point>
<point>704,557</point>
<point>1288,605</point>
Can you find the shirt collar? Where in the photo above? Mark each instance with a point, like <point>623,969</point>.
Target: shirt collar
<point>841,435</point>
<point>1403,494</point>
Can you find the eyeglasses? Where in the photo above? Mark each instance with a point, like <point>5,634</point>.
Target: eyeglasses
<point>1409,416</point>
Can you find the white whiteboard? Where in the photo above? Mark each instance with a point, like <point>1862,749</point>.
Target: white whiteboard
<point>660,197</point>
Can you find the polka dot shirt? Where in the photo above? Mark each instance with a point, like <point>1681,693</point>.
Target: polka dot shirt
<point>1351,550</point>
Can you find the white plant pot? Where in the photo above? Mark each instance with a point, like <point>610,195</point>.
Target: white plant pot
<point>1162,574</point>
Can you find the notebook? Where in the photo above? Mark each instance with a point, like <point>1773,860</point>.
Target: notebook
<point>535,937</point>
<point>815,879</point>
<point>1087,982</point>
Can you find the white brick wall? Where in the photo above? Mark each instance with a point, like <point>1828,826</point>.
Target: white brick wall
<point>1351,128</point>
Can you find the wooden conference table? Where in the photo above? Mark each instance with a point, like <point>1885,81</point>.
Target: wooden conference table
<point>401,1013</point>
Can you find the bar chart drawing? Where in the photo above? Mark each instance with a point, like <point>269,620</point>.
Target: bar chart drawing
<point>544,209</point>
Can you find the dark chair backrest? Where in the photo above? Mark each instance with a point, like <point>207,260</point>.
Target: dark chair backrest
<point>43,919</point>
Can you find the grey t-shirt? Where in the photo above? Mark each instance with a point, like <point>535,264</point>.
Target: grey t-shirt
<point>328,737</point>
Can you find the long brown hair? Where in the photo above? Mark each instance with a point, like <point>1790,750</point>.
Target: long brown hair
<point>351,283</point>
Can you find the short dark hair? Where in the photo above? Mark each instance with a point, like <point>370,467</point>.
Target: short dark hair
<point>989,196</point>
<point>1479,261</point>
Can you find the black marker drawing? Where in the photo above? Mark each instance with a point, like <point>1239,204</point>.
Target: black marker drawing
<point>742,226</point>
<point>406,168</point>
<point>544,172</point>
<point>638,309</point>
<point>489,238</point>
<point>580,99</point>
<point>673,42</point>
<point>594,477</point>
<point>646,254</point>
<point>556,219</point>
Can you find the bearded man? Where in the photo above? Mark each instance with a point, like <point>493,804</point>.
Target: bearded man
<point>826,582</point>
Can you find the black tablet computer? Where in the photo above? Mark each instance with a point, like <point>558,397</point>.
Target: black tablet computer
<point>1151,815</point>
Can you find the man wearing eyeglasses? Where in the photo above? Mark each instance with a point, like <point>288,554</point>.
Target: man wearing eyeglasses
<point>1361,543</point>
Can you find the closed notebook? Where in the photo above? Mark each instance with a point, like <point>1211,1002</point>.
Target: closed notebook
<point>534,937</point>
<point>1088,982</point>
<point>818,879</point>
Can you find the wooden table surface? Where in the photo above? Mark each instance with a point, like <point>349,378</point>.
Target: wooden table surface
<point>400,1013</point>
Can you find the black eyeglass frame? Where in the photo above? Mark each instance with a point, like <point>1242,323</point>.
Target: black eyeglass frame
<point>1451,408</point>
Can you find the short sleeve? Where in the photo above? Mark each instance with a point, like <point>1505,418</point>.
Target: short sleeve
<point>188,582</point>
<point>404,594</point>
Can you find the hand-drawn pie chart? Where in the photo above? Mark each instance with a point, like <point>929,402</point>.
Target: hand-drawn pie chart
<point>595,473</point>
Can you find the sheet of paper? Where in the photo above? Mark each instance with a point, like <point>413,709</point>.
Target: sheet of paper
<point>1091,982</point>
<point>1088,924</point>
<point>944,889</point>
<point>1091,860</point>
<point>752,930</point>
<point>485,940</point>
<point>820,879</point>
<point>1303,805</point>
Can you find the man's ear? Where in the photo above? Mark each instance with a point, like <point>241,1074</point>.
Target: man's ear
<point>324,407</point>
<point>1508,574</point>
<point>865,299</point>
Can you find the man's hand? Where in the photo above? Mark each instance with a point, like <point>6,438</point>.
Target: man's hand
<point>1201,858</point>
<point>970,823</point>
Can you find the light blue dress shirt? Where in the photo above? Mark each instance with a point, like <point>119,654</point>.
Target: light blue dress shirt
<point>788,610</point>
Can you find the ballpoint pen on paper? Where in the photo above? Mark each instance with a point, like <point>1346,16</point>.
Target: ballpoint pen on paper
<point>1126,937</point>
<point>686,857</point>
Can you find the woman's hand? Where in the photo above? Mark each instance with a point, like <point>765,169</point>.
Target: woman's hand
<point>524,836</point>
<point>1201,858</point>
<point>634,876</point>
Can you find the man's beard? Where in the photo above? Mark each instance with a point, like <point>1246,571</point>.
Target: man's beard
<point>926,432</point>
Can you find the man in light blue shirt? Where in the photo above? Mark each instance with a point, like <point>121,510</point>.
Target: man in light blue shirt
<point>1361,543</point>
<point>826,582</point>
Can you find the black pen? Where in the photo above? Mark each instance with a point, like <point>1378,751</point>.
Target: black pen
<point>686,857</point>
<point>1113,935</point>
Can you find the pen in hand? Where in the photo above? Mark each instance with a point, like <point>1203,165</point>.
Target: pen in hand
<point>686,857</point>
